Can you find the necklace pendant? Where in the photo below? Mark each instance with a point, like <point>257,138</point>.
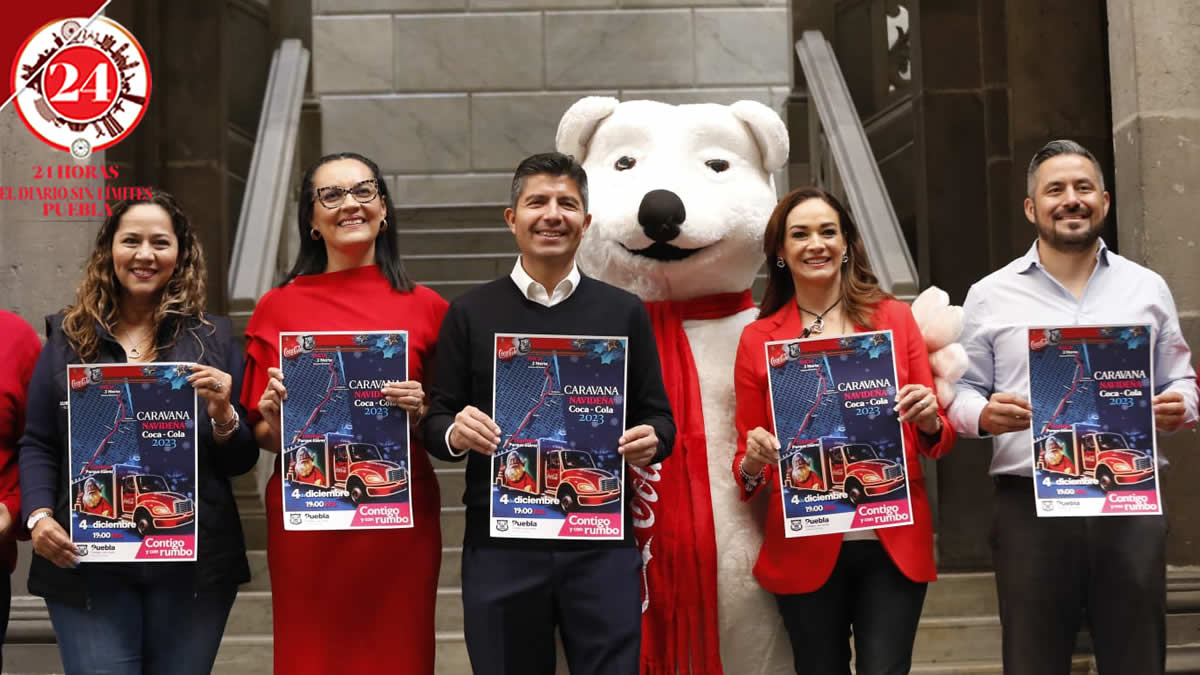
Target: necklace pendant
<point>817,327</point>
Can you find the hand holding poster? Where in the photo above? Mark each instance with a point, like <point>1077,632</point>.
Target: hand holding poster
<point>1093,421</point>
<point>133,462</point>
<point>560,404</point>
<point>842,462</point>
<point>345,459</point>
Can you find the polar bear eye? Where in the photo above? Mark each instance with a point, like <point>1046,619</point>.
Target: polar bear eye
<point>717,165</point>
<point>624,163</point>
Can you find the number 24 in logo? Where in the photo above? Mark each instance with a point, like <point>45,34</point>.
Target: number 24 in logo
<point>81,88</point>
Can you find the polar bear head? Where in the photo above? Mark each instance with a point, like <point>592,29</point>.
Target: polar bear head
<point>679,195</point>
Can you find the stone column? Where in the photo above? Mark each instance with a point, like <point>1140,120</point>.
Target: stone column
<point>1058,88</point>
<point>961,139</point>
<point>1154,56</point>
<point>40,256</point>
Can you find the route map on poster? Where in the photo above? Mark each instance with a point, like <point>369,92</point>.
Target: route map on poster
<point>132,462</point>
<point>345,456</point>
<point>560,404</point>
<point>842,463</point>
<point>1094,451</point>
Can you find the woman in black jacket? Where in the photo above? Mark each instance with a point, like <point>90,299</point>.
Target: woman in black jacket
<point>141,300</point>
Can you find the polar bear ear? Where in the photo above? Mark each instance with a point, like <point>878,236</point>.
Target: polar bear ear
<point>769,131</point>
<point>579,122</point>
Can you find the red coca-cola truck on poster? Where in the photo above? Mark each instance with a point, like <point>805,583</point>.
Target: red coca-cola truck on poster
<point>839,464</point>
<point>558,471</point>
<point>1086,450</point>
<point>124,492</point>
<point>337,461</point>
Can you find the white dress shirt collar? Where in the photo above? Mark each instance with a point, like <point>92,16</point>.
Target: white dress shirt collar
<point>535,292</point>
<point>1033,257</point>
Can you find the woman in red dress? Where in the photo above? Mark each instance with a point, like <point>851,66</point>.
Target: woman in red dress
<point>867,583</point>
<point>349,601</point>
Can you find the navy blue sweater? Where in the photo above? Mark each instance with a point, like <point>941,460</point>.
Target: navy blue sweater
<point>463,372</point>
<point>221,548</point>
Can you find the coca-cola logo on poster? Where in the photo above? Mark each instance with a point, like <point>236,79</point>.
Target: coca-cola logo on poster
<point>291,351</point>
<point>79,383</point>
<point>81,86</point>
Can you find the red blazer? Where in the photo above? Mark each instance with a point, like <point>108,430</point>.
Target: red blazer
<point>19,349</point>
<point>803,564</point>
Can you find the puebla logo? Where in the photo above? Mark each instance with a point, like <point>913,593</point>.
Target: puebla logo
<point>83,87</point>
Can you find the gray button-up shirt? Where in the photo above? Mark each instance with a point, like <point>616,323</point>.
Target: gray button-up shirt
<point>1003,304</point>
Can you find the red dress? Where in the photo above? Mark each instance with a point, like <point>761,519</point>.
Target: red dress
<point>351,601</point>
<point>803,564</point>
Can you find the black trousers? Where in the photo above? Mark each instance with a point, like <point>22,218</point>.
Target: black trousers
<point>513,600</point>
<point>1053,573</point>
<point>866,596</point>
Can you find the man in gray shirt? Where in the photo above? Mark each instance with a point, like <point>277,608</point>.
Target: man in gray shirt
<point>1049,569</point>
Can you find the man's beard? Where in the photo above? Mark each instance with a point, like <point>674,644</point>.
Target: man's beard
<point>1074,241</point>
<point>91,499</point>
<point>514,474</point>
<point>304,468</point>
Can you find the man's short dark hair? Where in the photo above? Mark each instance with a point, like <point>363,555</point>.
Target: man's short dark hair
<point>1054,149</point>
<point>550,164</point>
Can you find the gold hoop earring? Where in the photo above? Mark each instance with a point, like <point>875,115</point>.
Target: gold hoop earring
<point>845,258</point>
<point>780,263</point>
<point>383,225</point>
<point>312,232</point>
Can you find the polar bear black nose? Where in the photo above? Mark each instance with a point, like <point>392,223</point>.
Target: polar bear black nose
<point>661,214</point>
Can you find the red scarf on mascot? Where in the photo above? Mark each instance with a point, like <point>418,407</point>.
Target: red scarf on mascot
<point>672,509</point>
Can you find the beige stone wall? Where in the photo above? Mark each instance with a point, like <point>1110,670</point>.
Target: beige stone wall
<point>1154,56</point>
<point>40,257</point>
<point>449,95</point>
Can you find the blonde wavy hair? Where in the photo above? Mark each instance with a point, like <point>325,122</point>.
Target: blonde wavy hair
<point>98,297</point>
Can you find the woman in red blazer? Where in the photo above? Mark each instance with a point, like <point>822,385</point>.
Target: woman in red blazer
<point>869,584</point>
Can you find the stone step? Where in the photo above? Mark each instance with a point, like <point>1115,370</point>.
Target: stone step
<point>1080,665</point>
<point>449,217</point>
<point>977,638</point>
<point>251,653</point>
<point>451,484</point>
<point>442,240</point>
<point>453,266</point>
<point>962,594</point>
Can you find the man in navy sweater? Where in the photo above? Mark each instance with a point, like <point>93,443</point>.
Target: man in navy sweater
<point>516,591</point>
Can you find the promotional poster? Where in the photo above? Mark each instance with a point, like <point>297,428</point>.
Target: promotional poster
<point>841,461</point>
<point>345,455</point>
<point>560,404</point>
<point>133,462</point>
<point>1094,450</point>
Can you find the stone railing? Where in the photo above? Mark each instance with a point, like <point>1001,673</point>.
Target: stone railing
<point>264,242</point>
<point>843,163</point>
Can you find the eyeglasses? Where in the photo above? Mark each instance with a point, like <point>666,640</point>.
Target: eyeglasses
<point>331,197</point>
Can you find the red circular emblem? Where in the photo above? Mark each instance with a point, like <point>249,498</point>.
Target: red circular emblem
<point>83,87</point>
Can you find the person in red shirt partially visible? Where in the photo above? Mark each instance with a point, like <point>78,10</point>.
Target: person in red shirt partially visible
<point>19,348</point>
<point>349,276</point>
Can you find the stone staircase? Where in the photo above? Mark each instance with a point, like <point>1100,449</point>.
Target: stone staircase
<point>452,250</point>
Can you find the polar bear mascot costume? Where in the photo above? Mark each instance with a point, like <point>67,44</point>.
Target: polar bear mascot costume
<point>680,197</point>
